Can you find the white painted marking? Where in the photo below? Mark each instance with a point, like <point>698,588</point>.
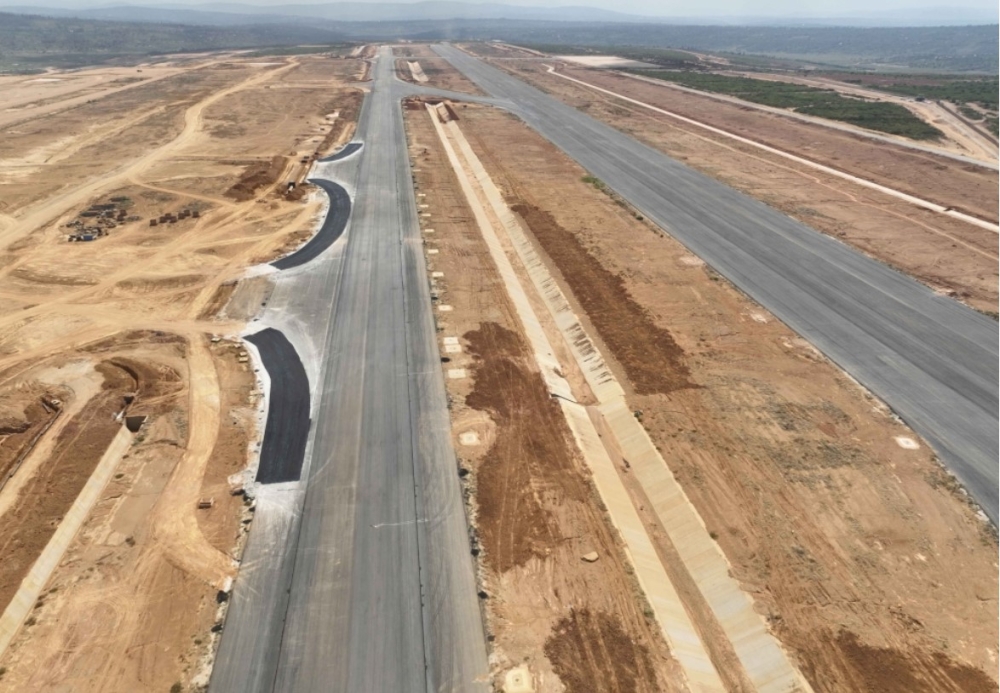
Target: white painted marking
<point>444,308</point>
<point>437,275</point>
<point>432,251</point>
<point>451,340</point>
<point>398,524</point>
<point>907,443</point>
<point>453,349</point>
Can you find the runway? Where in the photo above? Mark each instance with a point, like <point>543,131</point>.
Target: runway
<point>361,577</point>
<point>930,358</point>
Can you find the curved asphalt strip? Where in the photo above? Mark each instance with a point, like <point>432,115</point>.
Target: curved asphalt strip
<point>333,226</point>
<point>930,358</point>
<point>348,149</point>
<point>287,411</point>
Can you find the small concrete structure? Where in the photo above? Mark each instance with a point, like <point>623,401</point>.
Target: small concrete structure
<point>134,423</point>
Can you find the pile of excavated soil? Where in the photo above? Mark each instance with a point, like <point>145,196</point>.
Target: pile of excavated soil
<point>23,417</point>
<point>258,175</point>
<point>648,353</point>
<point>591,652</point>
<point>530,452</point>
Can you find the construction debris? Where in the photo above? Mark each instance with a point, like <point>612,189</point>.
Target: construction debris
<point>103,216</point>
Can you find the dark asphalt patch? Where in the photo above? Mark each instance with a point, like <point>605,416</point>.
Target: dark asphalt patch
<point>349,149</point>
<point>333,226</point>
<point>287,426</point>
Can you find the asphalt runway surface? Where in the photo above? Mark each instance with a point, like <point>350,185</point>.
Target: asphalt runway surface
<point>287,427</point>
<point>333,226</point>
<point>930,358</point>
<point>361,577</point>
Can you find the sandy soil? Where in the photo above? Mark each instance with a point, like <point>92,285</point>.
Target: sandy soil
<point>133,604</point>
<point>849,542</point>
<point>121,580</point>
<point>575,624</point>
<point>947,254</point>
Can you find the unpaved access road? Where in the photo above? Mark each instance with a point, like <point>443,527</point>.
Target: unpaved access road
<point>933,360</point>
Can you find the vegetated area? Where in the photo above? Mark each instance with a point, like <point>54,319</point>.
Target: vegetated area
<point>890,118</point>
<point>31,43</point>
<point>116,275</point>
<point>847,535</point>
<point>980,90</point>
<point>976,97</point>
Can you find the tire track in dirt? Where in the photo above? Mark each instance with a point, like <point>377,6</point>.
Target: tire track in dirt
<point>193,118</point>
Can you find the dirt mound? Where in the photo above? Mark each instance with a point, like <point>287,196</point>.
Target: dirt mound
<point>528,457</point>
<point>591,652</point>
<point>28,275</point>
<point>651,358</point>
<point>24,416</point>
<point>256,176</point>
<point>144,285</point>
<point>870,669</point>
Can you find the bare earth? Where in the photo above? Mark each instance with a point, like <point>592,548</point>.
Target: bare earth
<point>203,146</point>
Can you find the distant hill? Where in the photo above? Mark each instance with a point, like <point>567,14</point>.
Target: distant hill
<point>27,41</point>
<point>222,13</point>
<point>953,48</point>
<point>699,14</point>
<point>65,41</point>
